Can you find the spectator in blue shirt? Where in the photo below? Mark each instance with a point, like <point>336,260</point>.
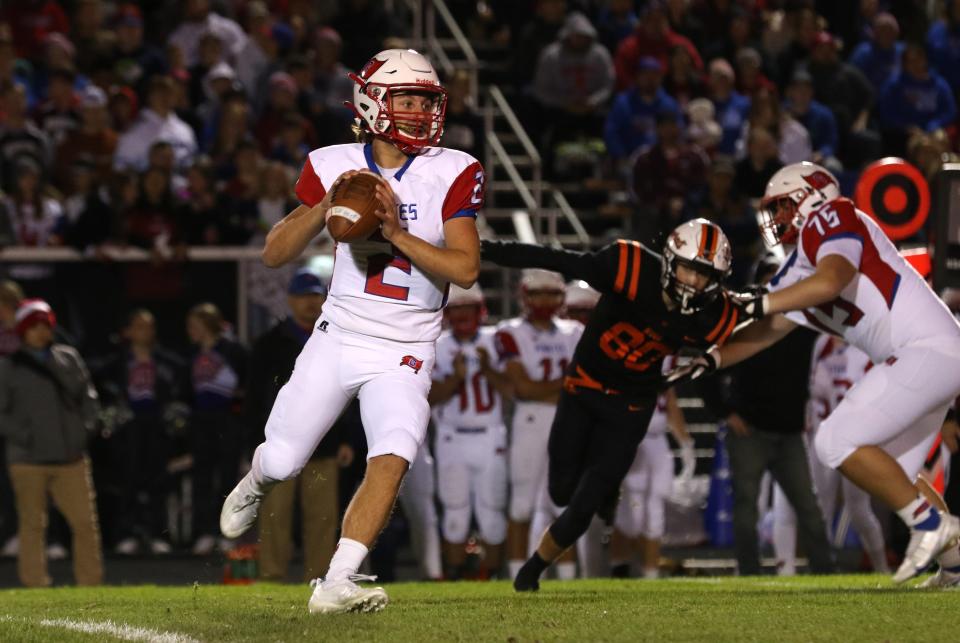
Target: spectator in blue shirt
<point>943,44</point>
<point>879,58</point>
<point>916,98</point>
<point>813,115</point>
<point>632,122</point>
<point>731,107</point>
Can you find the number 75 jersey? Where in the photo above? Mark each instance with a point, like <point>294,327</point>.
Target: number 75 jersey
<point>886,306</point>
<point>375,289</point>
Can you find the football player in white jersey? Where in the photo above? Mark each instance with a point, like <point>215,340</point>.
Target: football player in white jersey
<point>639,521</point>
<point>537,348</point>
<point>836,366</point>
<point>579,301</point>
<point>842,275</point>
<point>375,339</point>
<point>471,441</point>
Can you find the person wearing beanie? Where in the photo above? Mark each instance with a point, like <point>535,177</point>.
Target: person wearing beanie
<point>48,410</point>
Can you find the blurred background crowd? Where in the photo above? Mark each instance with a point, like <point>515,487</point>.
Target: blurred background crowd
<point>167,126</point>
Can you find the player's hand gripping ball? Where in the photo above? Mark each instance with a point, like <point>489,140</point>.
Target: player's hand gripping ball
<point>353,208</point>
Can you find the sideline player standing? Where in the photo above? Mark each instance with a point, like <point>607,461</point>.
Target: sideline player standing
<point>845,277</point>
<point>536,347</point>
<point>471,438</point>
<point>649,308</point>
<point>375,339</point>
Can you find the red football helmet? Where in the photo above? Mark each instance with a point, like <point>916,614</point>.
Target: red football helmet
<point>391,73</point>
<point>465,310</point>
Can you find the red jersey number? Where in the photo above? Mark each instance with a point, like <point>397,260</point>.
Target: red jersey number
<point>376,265</point>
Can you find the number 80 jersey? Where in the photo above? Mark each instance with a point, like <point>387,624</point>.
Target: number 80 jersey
<point>887,305</point>
<point>376,290</point>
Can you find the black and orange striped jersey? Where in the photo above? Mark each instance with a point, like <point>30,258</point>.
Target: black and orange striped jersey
<point>632,329</point>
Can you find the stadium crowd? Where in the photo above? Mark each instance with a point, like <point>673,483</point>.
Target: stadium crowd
<point>162,127</point>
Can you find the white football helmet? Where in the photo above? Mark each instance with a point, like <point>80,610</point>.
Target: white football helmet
<point>541,281</point>
<point>579,294</point>
<point>791,195</point>
<point>465,296</point>
<point>702,246</point>
<point>393,72</point>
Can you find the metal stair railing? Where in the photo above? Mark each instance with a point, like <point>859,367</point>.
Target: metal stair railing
<point>433,9</point>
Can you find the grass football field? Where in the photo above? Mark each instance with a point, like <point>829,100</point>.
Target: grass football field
<point>837,608</point>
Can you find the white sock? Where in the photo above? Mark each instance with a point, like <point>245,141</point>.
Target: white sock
<point>256,472</point>
<point>514,567</point>
<point>950,559</point>
<point>566,571</point>
<point>920,514</point>
<point>347,559</point>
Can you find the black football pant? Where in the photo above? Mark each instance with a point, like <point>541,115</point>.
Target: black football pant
<point>593,442</point>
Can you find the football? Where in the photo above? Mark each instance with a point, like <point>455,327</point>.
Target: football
<point>352,215</point>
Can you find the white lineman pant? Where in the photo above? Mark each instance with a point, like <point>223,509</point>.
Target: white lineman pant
<point>528,456</point>
<point>416,498</point>
<point>391,379</point>
<point>472,476</point>
<point>646,489</point>
<point>899,405</point>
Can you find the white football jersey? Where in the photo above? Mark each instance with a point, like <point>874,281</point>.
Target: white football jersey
<point>477,404</point>
<point>544,354</point>
<point>886,306</point>
<point>836,366</point>
<point>375,290</point>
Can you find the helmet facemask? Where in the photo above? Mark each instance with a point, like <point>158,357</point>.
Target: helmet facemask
<point>542,304</point>
<point>409,130</point>
<point>690,299</point>
<point>780,219</point>
<point>465,319</point>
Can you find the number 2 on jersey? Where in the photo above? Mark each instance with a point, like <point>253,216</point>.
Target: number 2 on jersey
<point>376,265</point>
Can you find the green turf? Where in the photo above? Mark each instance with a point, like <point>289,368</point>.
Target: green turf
<point>839,608</point>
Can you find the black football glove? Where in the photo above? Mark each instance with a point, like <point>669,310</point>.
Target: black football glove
<point>694,369</point>
<point>753,303</point>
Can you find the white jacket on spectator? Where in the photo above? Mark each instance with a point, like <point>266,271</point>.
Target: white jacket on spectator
<point>186,37</point>
<point>133,148</point>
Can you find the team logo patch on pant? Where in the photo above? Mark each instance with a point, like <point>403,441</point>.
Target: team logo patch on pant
<point>412,362</point>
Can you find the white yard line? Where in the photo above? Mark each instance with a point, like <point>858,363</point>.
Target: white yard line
<point>117,630</point>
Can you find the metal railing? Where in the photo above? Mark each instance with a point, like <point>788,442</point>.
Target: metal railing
<point>432,9</point>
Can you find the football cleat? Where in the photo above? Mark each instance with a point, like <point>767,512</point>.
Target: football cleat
<point>240,508</point>
<point>926,545</point>
<point>943,579</point>
<point>344,595</point>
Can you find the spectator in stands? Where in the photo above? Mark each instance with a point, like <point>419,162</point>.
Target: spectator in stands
<point>750,76</point>
<point>330,86</point>
<point>365,25</point>
<point>94,138</point>
<point>281,104</point>
<point>139,383</point>
<point>815,117</point>
<point>915,99</point>
<point>123,106</point>
<point>253,60</point>
<point>271,364</point>
<point>19,136</point>
<point>653,37</point>
<point>631,124</point>
<point>737,33</point>
<point>534,37</point>
<point>289,146</point>
<point>683,81</point>
<point>763,402</point>
<point>200,213</point>
<point>663,175</point>
<point>10,297</point>
<point>88,33</point>
<point>879,57</point>
<point>274,201</point>
<point>132,61</point>
<point>48,410</point>
<point>793,141</point>
<point>844,89</point>
<point>760,164</point>
<point>684,19</point>
<point>942,39</point>
<point>57,115</point>
<point>217,368</point>
<point>731,107</point>
<point>573,82</point>
<point>793,43</point>
<point>32,22</point>
<point>210,58</point>
<point>90,221</point>
<point>721,204</point>
<point>198,20</point>
<point>59,55</point>
<point>152,224</point>
<point>11,73</point>
<point>231,129</point>
<point>463,128</point>
<point>33,214</point>
<point>615,20</point>
<point>928,151</point>
<point>157,121</point>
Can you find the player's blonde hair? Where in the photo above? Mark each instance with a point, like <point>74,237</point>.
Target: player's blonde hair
<point>210,316</point>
